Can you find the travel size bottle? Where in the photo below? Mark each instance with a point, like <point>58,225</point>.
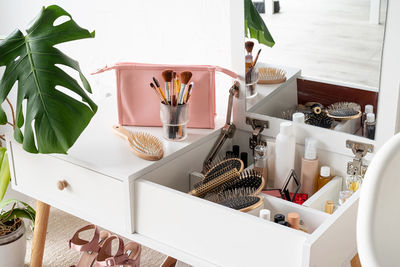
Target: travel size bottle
<point>369,126</point>
<point>284,153</point>
<point>324,177</point>
<point>260,161</point>
<point>367,109</point>
<point>309,167</point>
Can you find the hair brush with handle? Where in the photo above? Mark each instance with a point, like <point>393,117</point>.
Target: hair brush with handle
<point>143,145</point>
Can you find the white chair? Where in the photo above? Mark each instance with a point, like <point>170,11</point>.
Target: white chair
<point>378,221</point>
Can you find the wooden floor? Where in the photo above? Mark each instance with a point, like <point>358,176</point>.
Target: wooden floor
<point>328,39</point>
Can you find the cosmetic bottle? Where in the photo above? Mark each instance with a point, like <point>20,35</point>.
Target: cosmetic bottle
<point>353,182</point>
<point>284,153</point>
<point>279,217</point>
<point>235,150</point>
<point>309,167</point>
<point>298,117</point>
<point>367,109</point>
<point>260,161</point>
<point>324,177</point>
<point>265,214</point>
<point>243,157</point>
<point>329,206</point>
<point>369,126</point>
<point>294,220</point>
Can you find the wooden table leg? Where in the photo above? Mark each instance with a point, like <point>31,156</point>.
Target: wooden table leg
<point>39,234</point>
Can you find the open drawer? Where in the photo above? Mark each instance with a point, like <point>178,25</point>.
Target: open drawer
<point>163,211</point>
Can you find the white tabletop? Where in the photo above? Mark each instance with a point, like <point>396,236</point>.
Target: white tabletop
<point>101,150</point>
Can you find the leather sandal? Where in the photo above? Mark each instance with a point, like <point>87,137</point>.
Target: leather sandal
<point>128,255</point>
<point>90,248</point>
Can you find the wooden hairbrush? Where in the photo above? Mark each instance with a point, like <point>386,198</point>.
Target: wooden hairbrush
<point>223,166</point>
<point>244,204</point>
<point>248,179</point>
<point>143,145</point>
<point>271,75</point>
<point>344,111</point>
<point>206,187</point>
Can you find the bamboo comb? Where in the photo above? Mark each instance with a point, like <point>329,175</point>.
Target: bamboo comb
<point>143,145</point>
<point>271,75</point>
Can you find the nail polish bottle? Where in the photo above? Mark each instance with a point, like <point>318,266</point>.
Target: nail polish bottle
<point>236,149</point>
<point>324,177</point>
<point>329,206</point>
<point>279,217</point>
<point>260,161</point>
<point>309,167</point>
<point>243,157</point>
<point>298,117</point>
<point>294,220</point>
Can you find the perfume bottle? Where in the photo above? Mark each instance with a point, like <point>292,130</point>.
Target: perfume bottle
<point>260,161</point>
<point>324,177</point>
<point>367,109</point>
<point>353,182</point>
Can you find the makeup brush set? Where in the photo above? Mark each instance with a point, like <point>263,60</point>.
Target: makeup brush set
<point>174,99</point>
<point>318,115</point>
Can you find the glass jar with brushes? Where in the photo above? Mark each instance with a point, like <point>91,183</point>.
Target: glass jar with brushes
<point>174,120</point>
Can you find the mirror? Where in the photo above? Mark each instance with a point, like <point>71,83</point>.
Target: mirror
<point>324,65</point>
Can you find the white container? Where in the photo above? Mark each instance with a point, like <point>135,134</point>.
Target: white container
<point>284,153</point>
<point>13,248</point>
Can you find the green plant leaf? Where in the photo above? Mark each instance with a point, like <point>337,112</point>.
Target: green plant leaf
<point>27,209</point>
<point>17,212</point>
<point>256,25</point>
<point>53,120</point>
<point>4,173</point>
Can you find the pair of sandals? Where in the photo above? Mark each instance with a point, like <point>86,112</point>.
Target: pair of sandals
<point>99,249</point>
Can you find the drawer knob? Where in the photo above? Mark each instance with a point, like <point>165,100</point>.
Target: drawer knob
<point>62,185</point>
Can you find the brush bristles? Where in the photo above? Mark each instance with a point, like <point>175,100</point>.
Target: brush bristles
<point>224,166</point>
<point>241,203</point>
<point>167,75</point>
<point>271,74</point>
<point>185,77</point>
<point>344,105</point>
<point>247,179</point>
<point>229,194</point>
<point>156,82</point>
<point>148,145</point>
<point>249,45</point>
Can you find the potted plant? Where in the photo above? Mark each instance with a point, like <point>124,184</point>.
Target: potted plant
<point>51,121</point>
<point>12,227</point>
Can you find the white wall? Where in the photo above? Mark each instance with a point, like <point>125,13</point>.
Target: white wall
<point>151,31</point>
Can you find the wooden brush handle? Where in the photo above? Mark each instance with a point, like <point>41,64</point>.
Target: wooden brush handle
<point>122,132</point>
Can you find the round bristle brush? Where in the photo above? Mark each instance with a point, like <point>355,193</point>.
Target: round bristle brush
<point>320,120</point>
<point>249,45</point>
<point>247,179</point>
<point>223,166</point>
<point>244,204</point>
<point>344,111</point>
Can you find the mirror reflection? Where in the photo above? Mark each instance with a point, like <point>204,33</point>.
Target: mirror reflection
<point>315,61</point>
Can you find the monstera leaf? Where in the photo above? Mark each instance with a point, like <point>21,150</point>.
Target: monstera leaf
<point>52,120</point>
<point>255,25</point>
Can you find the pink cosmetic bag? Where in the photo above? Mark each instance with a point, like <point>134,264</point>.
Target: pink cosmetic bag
<point>138,105</point>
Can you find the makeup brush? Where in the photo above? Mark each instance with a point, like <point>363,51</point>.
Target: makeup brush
<point>157,92</point>
<point>167,76</point>
<point>160,90</point>
<point>249,45</point>
<point>189,92</point>
<point>185,78</point>
<point>255,60</point>
<point>173,92</point>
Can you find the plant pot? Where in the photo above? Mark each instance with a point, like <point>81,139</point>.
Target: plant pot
<point>13,248</point>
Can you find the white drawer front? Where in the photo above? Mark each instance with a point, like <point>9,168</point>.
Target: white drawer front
<point>88,194</point>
